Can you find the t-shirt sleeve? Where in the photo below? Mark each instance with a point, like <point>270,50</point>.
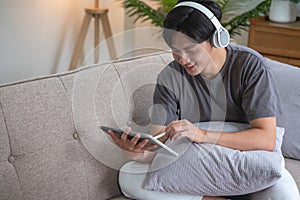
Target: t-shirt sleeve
<point>260,96</point>
<point>165,105</point>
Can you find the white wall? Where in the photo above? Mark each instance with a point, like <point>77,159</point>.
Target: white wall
<point>37,37</point>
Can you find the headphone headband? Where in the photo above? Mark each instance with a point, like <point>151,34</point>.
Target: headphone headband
<point>197,6</point>
<point>222,34</point>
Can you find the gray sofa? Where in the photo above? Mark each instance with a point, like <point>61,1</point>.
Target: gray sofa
<point>50,144</point>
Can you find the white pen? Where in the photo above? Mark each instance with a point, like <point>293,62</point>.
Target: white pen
<point>160,135</point>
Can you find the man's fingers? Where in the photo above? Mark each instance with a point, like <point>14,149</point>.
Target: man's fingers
<point>180,133</point>
<point>135,140</point>
<point>127,130</point>
<point>143,145</point>
<point>125,134</point>
<point>175,126</point>
<point>114,136</point>
<point>149,147</point>
<point>124,137</point>
<point>173,123</point>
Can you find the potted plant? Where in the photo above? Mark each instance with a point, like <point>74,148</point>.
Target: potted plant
<point>236,13</point>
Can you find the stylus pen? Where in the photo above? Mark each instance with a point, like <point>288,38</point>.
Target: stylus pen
<point>160,135</point>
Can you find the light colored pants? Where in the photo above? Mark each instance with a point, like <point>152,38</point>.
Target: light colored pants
<point>132,175</point>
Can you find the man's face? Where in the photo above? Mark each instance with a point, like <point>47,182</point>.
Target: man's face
<point>194,57</point>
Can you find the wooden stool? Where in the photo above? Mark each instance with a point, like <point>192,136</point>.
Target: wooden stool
<point>99,13</point>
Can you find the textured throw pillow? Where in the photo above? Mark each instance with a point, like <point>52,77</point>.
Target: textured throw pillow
<point>213,170</point>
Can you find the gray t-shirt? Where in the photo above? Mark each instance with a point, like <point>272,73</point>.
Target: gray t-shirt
<point>244,90</point>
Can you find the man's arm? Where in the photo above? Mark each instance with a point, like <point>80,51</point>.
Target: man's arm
<point>261,135</point>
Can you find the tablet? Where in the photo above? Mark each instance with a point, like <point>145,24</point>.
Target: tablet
<point>152,139</point>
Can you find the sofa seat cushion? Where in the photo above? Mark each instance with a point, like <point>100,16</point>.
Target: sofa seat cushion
<point>119,198</point>
<point>293,166</point>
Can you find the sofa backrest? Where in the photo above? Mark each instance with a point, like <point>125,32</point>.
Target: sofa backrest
<point>50,144</point>
<point>41,153</point>
<point>107,96</point>
<point>288,81</point>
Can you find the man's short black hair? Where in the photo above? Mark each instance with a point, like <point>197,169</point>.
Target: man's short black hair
<point>191,21</point>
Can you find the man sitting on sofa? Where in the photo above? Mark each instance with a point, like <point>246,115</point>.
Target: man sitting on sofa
<point>230,83</point>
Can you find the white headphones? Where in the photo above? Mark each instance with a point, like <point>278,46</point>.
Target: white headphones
<point>221,36</point>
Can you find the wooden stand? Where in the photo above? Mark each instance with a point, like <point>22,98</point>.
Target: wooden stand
<point>278,41</point>
<point>98,13</point>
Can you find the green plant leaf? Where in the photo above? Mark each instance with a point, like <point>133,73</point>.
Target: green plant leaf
<point>241,22</point>
<point>233,8</point>
<point>236,13</point>
<point>295,1</point>
<point>140,10</point>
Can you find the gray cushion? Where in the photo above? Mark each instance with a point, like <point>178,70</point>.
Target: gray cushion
<point>167,57</point>
<point>9,184</point>
<point>49,159</point>
<point>4,143</point>
<point>68,82</point>
<point>92,106</point>
<point>37,113</point>
<point>10,188</point>
<point>138,79</point>
<point>293,166</point>
<point>288,81</point>
<point>213,170</point>
<point>53,173</point>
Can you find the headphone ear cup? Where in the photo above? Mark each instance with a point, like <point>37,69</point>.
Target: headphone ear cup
<point>220,38</point>
<point>224,37</point>
<point>215,40</point>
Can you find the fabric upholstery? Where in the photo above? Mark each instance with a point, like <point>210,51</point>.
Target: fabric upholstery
<point>293,166</point>
<point>68,82</point>
<point>10,188</point>
<point>44,153</point>
<point>288,81</point>
<point>9,184</point>
<point>167,57</point>
<point>138,80</point>
<point>86,87</point>
<point>93,103</point>
<point>4,141</point>
<point>48,156</point>
<point>56,172</point>
<point>213,170</point>
<point>38,115</point>
<point>119,198</point>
